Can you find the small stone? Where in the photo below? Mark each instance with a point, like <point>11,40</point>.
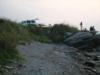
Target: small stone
<point>89,64</point>
<point>96,58</point>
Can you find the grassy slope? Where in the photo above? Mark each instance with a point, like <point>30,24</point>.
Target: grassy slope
<point>11,34</point>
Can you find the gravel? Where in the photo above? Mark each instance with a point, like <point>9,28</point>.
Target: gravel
<point>49,59</point>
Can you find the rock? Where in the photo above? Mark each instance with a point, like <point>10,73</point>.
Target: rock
<point>97,63</point>
<point>83,40</point>
<point>89,47</point>
<point>98,49</point>
<point>92,56</point>
<point>9,67</point>
<point>95,58</point>
<point>98,69</point>
<point>68,34</point>
<point>78,37</point>
<point>89,64</point>
<point>91,71</point>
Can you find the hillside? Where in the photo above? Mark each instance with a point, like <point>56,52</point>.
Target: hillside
<point>13,34</point>
<point>57,50</point>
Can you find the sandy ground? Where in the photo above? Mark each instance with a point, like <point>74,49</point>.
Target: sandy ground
<point>48,59</point>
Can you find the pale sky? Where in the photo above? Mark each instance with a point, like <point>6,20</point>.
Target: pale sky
<point>53,11</point>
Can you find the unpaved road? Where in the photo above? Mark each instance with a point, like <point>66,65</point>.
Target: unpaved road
<point>48,59</point>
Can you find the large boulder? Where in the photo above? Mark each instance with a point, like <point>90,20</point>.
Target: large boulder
<point>83,40</point>
<point>78,37</point>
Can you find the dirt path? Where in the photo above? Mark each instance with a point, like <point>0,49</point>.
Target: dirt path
<point>48,59</point>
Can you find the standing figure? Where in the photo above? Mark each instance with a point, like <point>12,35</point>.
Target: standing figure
<point>92,30</point>
<point>81,26</point>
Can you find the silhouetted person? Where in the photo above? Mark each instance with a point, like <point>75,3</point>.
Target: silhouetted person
<point>92,30</point>
<point>81,25</point>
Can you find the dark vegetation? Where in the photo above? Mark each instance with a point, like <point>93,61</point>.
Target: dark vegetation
<point>57,32</point>
<point>54,34</point>
<point>12,34</point>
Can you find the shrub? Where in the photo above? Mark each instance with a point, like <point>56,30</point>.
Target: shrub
<point>10,34</point>
<point>58,31</point>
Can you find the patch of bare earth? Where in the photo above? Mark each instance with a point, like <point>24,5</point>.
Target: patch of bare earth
<point>49,59</point>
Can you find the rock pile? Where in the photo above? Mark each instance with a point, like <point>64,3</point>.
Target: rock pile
<point>88,51</point>
<point>83,40</point>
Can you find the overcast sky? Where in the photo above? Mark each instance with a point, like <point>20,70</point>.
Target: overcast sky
<point>53,11</point>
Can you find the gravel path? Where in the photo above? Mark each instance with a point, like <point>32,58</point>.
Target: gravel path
<point>48,59</point>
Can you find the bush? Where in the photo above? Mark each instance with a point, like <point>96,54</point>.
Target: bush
<point>58,31</point>
<point>42,39</point>
<point>8,40</point>
<point>10,35</point>
<point>39,33</point>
